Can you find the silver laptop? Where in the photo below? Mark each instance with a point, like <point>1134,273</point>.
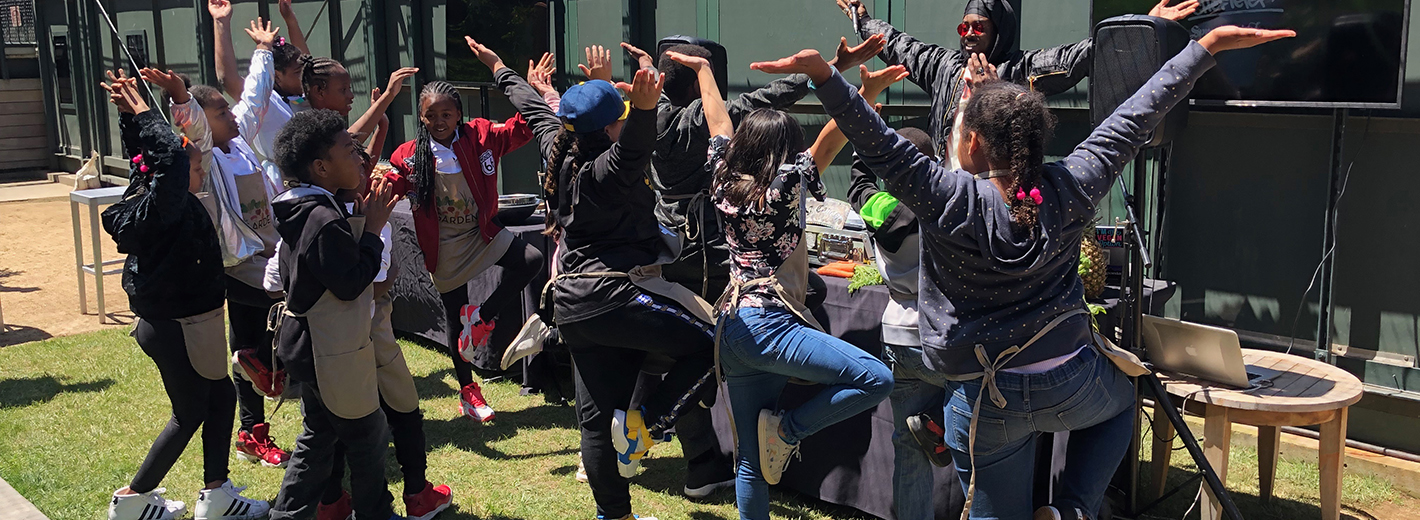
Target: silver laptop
<point>1201,351</point>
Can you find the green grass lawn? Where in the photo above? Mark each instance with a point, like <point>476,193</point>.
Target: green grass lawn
<point>78,413</point>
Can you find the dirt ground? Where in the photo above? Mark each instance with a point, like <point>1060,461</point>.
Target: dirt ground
<point>39,294</point>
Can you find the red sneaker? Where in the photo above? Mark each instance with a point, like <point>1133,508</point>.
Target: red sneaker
<point>340,510</point>
<point>257,446</point>
<point>425,504</point>
<point>475,332</point>
<point>262,379</point>
<point>471,403</point>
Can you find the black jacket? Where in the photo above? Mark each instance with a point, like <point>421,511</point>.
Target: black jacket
<point>937,70</point>
<point>319,253</point>
<point>174,266</point>
<point>607,214</point>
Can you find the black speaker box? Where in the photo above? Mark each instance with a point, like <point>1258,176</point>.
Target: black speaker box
<point>1128,51</point>
<point>718,61</point>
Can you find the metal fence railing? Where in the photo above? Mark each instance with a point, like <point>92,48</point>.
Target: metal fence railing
<point>17,22</point>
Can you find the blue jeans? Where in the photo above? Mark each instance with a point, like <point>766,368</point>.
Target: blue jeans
<point>1087,396</point>
<point>915,389</point>
<point>760,349</point>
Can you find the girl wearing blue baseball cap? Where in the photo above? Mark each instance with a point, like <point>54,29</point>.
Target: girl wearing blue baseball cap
<point>609,301</point>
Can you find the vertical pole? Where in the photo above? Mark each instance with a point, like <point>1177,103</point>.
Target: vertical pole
<point>1328,238</point>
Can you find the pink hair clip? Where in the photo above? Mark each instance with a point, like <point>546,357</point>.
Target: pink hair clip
<point>1020,194</point>
<point>281,41</point>
<point>143,168</point>
<point>1035,196</point>
<point>137,159</point>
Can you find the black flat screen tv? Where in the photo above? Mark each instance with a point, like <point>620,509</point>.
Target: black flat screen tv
<point>1347,53</point>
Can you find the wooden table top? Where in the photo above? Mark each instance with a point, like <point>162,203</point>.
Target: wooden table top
<point>1304,385</point>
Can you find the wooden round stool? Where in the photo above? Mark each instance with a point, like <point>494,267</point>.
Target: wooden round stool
<point>1305,392</point>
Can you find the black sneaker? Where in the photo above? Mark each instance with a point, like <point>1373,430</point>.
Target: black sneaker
<point>930,437</point>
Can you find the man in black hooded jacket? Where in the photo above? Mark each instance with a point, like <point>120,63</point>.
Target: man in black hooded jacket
<point>989,28</point>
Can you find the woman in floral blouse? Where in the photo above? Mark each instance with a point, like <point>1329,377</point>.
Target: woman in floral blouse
<point>767,336</point>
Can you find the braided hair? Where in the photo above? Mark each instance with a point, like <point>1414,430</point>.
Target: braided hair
<point>570,152</point>
<point>316,72</point>
<point>422,173</point>
<point>1015,124</point>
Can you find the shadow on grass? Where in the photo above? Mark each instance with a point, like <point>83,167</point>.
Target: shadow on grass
<point>17,334</point>
<point>432,385</point>
<point>1251,506</point>
<point>465,434</point>
<point>16,393</point>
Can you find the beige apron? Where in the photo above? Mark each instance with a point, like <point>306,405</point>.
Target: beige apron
<point>256,209</point>
<point>463,253</point>
<point>205,337</point>
<point>341,348</point>
<point>395,381</point>
<point>1122,359</point>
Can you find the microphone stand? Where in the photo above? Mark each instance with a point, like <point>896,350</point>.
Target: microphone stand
<point>1131,301</point>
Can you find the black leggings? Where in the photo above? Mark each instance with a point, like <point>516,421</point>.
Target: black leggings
<point>247,308</point>
<point>609,351</point>
<point>197,402</point>
<point>520,264</point>
<point>407,430</point>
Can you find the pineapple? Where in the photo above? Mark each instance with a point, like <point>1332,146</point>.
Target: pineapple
<point>1094,262</point>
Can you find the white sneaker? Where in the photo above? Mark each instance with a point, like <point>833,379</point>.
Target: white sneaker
<point>774,453</point>
<point>144,506</point>
<point>227,503</point>
<point>581,469</point>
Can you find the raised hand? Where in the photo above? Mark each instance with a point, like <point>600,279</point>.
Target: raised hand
<point>645,89</point>
<point>485,55</point>
<point>848,57</point>
<point>169,82</point>
<point>981,70</point>
<point>807,61</point>
<point>694,62</point>
<point>877,81</point>
<point>1229,37</point>
<point>378,203</point>
<point>846,5</point>
<point>1175,13</point>
<point>396,83</point>
<point>540,73</point>
<point>598,63</point>
<point>263,34</point>
<point>643,60</point>
<point>221,10</point>
<point>123,93</point>
<point>286,11</point>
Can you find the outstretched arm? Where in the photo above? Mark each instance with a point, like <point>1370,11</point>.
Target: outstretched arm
<point>371,118</point>
<point>911,175</point>
<point>924,61</point>
<point>226,57</point>
<point>831,139</point>
<point>717,118</point>
<point>1101,157</point>
<point>293,26</point>
<point>629,156</point>
<point>784,92</point>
